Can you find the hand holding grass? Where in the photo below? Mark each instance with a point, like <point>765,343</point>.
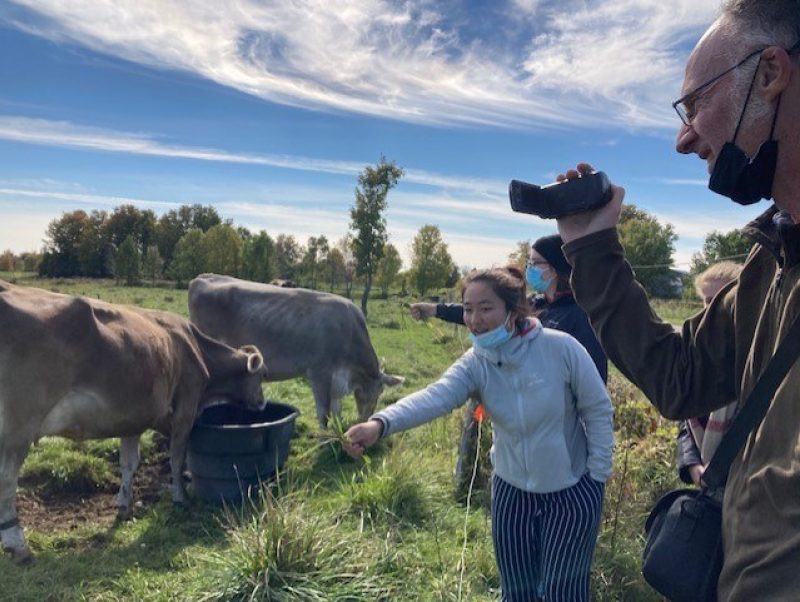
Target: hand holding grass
<point>361,436</point>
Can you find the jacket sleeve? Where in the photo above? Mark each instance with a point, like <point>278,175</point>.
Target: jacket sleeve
<point>450,312</point>
<point>688,454</point>
<point>594,409</point>
<point>435,400</point>
<point>580,328</point>
<point>684,374</point>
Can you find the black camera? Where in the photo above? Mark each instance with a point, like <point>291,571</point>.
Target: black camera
<point>561,198</point>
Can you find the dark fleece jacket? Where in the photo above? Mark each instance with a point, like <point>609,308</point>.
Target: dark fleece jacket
<point>718,356</point>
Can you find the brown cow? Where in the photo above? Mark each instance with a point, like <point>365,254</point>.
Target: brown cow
<point>301,332</point>
<point>85,369</point>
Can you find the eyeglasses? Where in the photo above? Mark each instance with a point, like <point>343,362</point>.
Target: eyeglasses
<point>684,106</point>
<point>537,264</point>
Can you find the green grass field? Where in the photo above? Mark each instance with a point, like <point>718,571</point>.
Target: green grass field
<point>332,529</point>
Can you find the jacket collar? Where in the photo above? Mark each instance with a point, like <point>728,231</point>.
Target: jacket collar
<point>774,231</point>
<point>512,352</point>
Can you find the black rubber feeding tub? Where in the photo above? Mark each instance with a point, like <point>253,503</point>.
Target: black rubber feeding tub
<point>233,450</point>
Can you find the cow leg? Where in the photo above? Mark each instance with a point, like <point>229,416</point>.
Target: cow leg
<point>179,439</point>
<point>129,462</point>
<point>11,534</point>
<point>321,388</point>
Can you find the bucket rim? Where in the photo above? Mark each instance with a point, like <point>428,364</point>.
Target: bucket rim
<point>292,416</point>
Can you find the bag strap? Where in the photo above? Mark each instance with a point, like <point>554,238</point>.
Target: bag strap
<point>754,409</point>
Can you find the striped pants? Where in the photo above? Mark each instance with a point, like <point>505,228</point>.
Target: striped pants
<point>544,542</point>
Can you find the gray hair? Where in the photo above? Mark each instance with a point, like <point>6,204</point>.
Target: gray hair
<point>757,23</point>
<point>754,24</point>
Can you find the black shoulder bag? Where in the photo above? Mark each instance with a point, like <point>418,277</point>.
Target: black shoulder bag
<point>682,557</point>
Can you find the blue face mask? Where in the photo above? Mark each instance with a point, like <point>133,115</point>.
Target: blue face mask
<point>533,276</point>
<point>493,338</point>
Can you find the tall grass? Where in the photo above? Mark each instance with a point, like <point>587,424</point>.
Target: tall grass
<point>391,492</point>
<point>282,550</point>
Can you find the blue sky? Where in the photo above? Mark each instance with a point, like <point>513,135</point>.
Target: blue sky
<point>269,110</point>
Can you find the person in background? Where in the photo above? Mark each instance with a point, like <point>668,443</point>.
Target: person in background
<point>698,438</point>
<point>547,273</point>
<point>552,437</point>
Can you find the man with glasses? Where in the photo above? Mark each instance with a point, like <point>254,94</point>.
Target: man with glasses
<point>740,112</point>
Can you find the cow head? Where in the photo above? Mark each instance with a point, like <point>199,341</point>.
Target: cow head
<point>252,393</point>
<point>369,390</point>
<point>242,383</point>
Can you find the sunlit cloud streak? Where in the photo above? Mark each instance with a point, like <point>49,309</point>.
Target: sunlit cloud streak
<point>65,134</point>
<point>531,64</point>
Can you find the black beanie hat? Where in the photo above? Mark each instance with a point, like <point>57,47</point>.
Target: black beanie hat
<point>549,247</point>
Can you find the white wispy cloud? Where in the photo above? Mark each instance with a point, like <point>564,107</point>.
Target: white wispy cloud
<point>576,63</point>
<point>66,134</point>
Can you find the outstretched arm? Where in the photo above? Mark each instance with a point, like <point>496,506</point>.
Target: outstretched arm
<point>449,312</point>
<point>437,399</point>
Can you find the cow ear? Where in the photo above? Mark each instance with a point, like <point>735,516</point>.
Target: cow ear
<point>254,362</point>
<point>390,380</point>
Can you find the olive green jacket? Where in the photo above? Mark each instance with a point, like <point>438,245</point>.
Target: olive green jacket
<point>718,356</point>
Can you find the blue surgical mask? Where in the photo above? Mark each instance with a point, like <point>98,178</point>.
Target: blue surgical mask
<point>533,276</point>
<point>493,338</point>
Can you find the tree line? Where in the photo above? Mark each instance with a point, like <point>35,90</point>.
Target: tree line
<point>132,244</point>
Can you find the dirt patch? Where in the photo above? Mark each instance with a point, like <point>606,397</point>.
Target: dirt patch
<point>69,511</point>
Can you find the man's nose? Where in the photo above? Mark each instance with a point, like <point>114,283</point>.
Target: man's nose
<point>686,139</point>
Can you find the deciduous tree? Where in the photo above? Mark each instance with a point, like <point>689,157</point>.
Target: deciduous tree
<point>7,261</point>
<point>258,257</point>
<point>431,263</point>
<point>287,256</point>
<point>223,253</point>
<point>190,256</point>
<point>61,256</point>
<point>345,246</point>
<point>718,246</point>
<point>368,223</point>
<point>388,268</point>
<point>519,256</point>
<point>153,264</point>
<point>649,247</point>
<point>334,267</point>
<point>127,263</point>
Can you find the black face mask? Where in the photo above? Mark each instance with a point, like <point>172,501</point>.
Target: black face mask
<point>736,176</point>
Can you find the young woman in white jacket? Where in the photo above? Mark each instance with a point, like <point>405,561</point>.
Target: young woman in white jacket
<point>553,437</point>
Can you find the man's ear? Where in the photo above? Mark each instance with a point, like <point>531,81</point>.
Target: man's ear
<point>775,72</point>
